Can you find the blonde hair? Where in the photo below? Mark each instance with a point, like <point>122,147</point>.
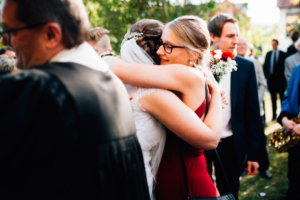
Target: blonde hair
<point>192,32</point>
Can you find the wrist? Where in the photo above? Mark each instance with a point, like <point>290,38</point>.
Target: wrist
<point>214,90</point>
<point>284,120</point>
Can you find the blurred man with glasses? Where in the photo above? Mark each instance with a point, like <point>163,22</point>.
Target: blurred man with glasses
<point>67,130</point>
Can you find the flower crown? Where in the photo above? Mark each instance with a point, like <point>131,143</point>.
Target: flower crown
<point>129,36</point>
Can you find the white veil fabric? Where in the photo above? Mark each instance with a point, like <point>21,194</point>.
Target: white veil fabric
<point>131,52</point>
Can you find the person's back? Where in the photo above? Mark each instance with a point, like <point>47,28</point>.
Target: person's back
<point>293,48</point>
<point>66,125</point>
<point>68,144</point>
<point>292,61</point>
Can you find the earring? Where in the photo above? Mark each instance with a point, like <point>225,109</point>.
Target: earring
<point>191,62</point>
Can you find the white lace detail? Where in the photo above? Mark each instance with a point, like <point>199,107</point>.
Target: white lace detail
<point>139,94</point>
<point>150,132</point>
<point>151,135</point>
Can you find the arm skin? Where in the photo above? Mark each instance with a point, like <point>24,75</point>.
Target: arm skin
<point>172,77</point>
<point>184,122</point>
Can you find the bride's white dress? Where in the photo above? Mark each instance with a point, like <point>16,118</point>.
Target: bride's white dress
<point>150,132</point>
<point>151,135</point>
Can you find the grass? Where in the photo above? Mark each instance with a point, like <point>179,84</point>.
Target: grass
<point>252,186</point>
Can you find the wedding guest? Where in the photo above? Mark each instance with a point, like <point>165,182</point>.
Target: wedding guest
<point>274,73</point>
<point>9,52</point>
<point>67,130</point>
<point>100,40</point>
<point>251,51</point>
<point>6,64</point>
<point>293,48</point>
<point>242,126</point>
<point>292,61</point>
<point>243,50</point>
<point>289,110</point>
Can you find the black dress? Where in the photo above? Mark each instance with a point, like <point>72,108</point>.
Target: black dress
<point>67,132</point>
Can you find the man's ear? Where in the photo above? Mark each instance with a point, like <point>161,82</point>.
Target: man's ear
<point>53,35</point>
<point>214,38</point>
<point>109,49</point>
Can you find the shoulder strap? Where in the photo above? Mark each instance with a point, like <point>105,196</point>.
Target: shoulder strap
<point>206,99</point>
<point>184,171</point>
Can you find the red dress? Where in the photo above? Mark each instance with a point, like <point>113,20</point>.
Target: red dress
<point>170,184</point>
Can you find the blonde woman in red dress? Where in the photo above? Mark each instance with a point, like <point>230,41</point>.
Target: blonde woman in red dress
<point>184,55</point>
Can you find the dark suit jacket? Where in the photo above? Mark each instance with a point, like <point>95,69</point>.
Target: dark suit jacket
<point>276,81</point>
<point>67,132</point>
<point>291,50</point>
<point>245,117</point>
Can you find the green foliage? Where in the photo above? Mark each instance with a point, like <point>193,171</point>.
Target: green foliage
<point>295,1</point>
<point>118,15</point>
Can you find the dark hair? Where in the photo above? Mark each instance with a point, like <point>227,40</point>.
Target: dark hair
<point>97,33</point>
<point>295,36</point>
<point>216,23</point>
<point>4,49</point>
<point>275,41</point>
<point>152,31</point>
<point>69,14</point>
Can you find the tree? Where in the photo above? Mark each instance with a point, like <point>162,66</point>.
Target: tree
<point>118,15</point>
<point>295,1</point>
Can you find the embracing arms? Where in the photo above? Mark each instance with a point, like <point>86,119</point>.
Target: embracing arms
<point>183,121</point>
<point>172,77</point>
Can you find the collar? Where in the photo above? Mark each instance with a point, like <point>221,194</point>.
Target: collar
<point>83,54</point>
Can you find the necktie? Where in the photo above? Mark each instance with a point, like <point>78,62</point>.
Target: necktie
<point>275,60</point>
<point>274,63</point>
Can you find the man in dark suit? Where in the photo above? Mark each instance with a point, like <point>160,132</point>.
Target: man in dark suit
<point>274,73</point>
<point>292,49</point>
<point>241,136</point>
<point>67,130</point>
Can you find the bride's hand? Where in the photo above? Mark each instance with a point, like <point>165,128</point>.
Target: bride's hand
<point>223,97</point>
<point>211,82</point>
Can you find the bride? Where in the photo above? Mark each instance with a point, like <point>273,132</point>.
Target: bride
<point>140,46</point>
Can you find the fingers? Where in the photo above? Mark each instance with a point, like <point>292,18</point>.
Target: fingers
<point>252,168</point>
<point>249,169</point>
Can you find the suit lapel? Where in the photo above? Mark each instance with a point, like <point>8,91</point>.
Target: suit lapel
<point>234,87</point>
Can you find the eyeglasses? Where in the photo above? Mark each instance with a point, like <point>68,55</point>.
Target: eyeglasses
<point>167,47</point>
<point>5,33</point>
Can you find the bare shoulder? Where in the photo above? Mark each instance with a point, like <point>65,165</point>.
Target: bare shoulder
<point>188,75</point>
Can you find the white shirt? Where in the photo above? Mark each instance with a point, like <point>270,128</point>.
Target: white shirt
<point>84,55</point>
<point>226,86</point>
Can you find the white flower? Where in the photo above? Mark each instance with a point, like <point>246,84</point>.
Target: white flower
<point>129,36</point>
<point>218,54</point>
